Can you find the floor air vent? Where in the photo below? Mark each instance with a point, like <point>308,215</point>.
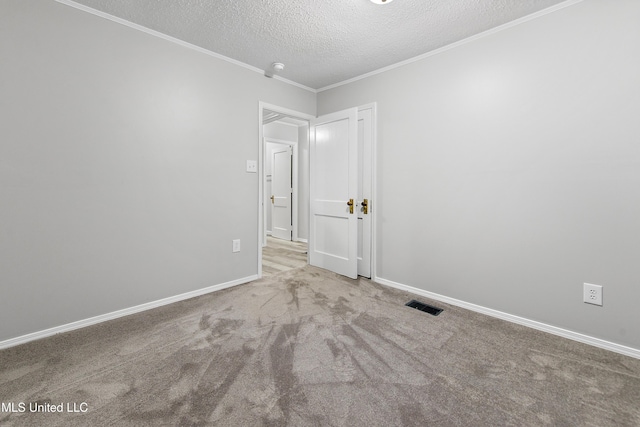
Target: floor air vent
<point>424,307</point>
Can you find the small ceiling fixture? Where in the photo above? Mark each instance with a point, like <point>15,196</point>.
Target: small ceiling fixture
<point>381,1</point>
<point>276,67</point>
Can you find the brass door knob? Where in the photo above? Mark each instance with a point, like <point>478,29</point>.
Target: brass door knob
<point>350,204</point>
<point>272,201</point>
<point>365,206</point>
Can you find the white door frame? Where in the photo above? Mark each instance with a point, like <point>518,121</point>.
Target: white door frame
<point>373,203</point>
<point>261,182</point>
<point>294,185</point>
<point>372,190</point>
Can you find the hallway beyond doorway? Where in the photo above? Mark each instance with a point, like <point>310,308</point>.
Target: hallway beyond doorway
<point>282,255</point>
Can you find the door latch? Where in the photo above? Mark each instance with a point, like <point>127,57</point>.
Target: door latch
<point>365,206</point>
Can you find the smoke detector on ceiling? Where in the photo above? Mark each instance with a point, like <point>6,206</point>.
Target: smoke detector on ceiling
<point>275,68</point>
<point>381,1</point>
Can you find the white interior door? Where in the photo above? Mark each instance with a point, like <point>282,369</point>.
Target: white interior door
<point>281,187</point>
<point>365,137</point>
<point>333,179</point>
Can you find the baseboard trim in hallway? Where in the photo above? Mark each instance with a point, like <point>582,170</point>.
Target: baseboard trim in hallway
<point>121,313</point>
<point>585,339</point>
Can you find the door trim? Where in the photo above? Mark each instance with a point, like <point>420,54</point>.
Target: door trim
<point>373,203</point>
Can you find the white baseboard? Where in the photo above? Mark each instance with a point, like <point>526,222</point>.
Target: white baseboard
<point>120,313</point>
<point>585,339</point>
<point>302,240</point>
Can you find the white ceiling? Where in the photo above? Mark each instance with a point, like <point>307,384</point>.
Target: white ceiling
<point>321,42</point>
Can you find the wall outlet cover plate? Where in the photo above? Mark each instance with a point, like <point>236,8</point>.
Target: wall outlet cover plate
<point>592,294</point>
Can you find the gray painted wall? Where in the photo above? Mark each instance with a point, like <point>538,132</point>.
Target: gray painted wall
<point>122,166</point>
<point>278,130</point>
<point>509,169</point>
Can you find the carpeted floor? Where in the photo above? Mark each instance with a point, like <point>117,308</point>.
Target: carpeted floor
<point>309,348</point>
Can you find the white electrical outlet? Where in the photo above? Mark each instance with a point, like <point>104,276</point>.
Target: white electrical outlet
<point>236,245</point>
<point>592,294</point>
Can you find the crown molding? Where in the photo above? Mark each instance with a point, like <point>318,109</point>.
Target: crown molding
<point>177,41</point>
<point>486,33</point>
<point>470,39</point>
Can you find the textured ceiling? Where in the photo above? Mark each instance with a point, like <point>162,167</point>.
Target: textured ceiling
<point>321,42</point>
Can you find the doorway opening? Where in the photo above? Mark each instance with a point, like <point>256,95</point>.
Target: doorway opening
<point>328,198</point>
<point>284,188</point>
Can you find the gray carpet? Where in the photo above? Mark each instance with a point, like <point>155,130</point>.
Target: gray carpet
<point>310,348</point>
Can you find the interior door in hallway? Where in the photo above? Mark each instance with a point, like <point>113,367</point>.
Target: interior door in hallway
<point>333,227</point>
<point>281,187</point>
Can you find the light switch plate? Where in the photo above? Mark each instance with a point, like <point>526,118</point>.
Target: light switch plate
<point>252,166</point>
